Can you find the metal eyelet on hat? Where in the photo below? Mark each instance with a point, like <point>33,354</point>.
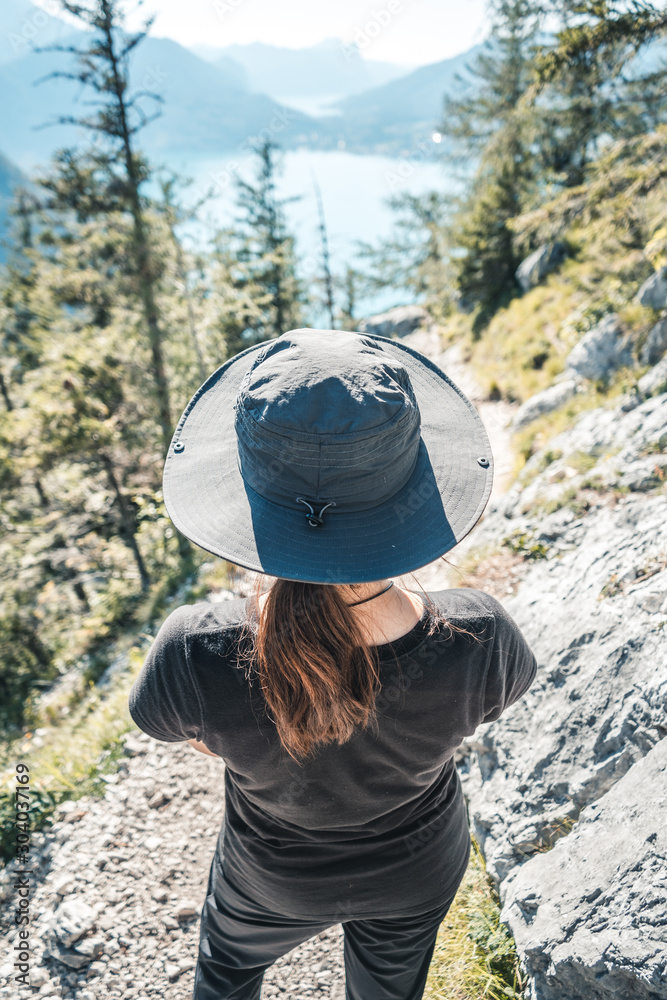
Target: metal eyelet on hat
<point>484,462</point>
<point>179,446</point>
<point>315,520</point>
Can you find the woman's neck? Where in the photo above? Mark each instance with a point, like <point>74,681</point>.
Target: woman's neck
<point>385,618</point>
<point>389,616</point>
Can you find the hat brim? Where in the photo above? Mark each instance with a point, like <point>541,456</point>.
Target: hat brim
<point>210,503</point>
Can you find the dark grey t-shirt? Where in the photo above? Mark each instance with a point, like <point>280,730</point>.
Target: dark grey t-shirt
<point>371,828</point>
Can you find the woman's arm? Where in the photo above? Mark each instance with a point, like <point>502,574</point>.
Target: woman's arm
<point>198,745</point>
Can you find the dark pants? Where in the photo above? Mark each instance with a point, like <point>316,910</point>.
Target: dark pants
<point>385,959</point>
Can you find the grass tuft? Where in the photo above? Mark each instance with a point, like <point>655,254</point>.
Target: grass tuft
<point>474,957</point>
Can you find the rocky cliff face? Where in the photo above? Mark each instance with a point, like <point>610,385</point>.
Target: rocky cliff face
<point>567,792</point>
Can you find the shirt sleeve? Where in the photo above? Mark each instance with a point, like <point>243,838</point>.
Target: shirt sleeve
<point>163,701</point>
<point>512,665</point>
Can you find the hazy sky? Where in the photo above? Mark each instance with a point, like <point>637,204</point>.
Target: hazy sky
<point>411,32</point>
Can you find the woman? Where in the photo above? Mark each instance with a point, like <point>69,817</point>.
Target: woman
<point>332,461</point>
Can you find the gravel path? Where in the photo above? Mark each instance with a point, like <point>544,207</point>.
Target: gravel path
<point>123,878</point>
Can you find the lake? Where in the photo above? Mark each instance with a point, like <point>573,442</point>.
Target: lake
<point>354,191</point>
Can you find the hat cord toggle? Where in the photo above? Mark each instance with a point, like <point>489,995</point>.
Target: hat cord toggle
<point>315,520</point>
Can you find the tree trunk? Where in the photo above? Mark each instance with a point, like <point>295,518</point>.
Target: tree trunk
<point>326,265</point>
<point>127,520</point>
<point>5,394</point>
<point>191,313</point>
<point>140,249</point>
<point>181,270</point>
<point>43,499</point>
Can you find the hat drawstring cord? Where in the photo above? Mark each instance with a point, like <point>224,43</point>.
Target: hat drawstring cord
<point>315,520</point>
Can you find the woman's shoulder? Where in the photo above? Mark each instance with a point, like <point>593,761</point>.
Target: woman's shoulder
<point>202,619</point>
<point>211,614</point>
<point>488,620</point>
<point>466,603</point>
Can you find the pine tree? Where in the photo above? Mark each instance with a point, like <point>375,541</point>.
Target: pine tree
<point>416,256</point>
<point>496,81</point>
<point>102,65</point>
<point>610,27</point>
<point>21,309</point>
<point>86,403</point>
<point>486,271</point>
<point>20,351</point>
<point>80,446</point>
<point>173,217</point>
<point>327,277</point>
<point>494,126</point>
<point>589,91</point>
<point>349,285</point>
<point>262,296</point>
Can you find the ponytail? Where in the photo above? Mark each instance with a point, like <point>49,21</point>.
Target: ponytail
<point>318,677</point>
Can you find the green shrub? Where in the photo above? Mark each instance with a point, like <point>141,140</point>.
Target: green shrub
<point>522,543</point>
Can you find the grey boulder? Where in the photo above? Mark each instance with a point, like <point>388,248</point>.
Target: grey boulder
<point>601,350</point>
<point>653,292</point>
<point>589,916</point>
<point>69,922</point>
<point>85,952</point>
<point>72,920</point>
<point>535,268</point>
<point>655,344</point>
<point>643,475</point>
<point>398,322</point>
<point>655,380</point>
<point>39,977</point>
<point>544,402</point>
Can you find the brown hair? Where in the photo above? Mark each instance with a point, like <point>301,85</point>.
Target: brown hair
<point>318,677</point>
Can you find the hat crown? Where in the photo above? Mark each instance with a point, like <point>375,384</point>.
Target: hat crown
<point>396,486</point>
<point>325,382</point>
<point>329,416</point>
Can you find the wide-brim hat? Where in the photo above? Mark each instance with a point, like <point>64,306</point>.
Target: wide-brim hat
<point>328,457</point>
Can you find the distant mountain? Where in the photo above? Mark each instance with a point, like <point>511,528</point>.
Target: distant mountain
<point>329,68</point>
<point>233,69</point>
<point>215,108</point>
<point>24,26</point>
<point>10,176</point>
<point>206,109</point>
<point>392,118</point>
